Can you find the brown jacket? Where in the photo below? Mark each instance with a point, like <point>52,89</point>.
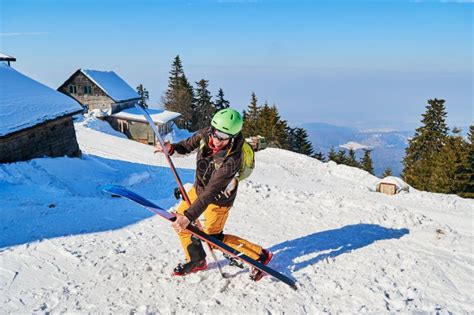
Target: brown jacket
<point>213,171</point>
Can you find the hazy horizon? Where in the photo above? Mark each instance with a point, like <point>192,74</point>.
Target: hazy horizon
<point>366,64</point>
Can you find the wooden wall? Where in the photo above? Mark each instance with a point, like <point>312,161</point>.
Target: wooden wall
<point>53,138</point>
<point>138,131</point>
<point>97,99</point>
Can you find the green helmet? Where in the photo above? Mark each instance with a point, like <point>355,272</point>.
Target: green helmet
<point>228,120</point>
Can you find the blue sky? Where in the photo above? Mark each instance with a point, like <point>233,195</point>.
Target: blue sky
<point>354,63</point>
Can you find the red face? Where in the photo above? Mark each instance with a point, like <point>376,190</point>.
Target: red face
<point>218,143</point>
<point>219,139</point>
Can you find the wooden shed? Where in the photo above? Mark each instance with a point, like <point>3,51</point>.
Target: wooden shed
<point>132,123</point>
<point>103,90</point>
<point>391,185</point>
<point>35,120</point>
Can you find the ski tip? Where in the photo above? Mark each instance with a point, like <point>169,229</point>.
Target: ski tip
<point>109,188</point>
<point>294,287</point>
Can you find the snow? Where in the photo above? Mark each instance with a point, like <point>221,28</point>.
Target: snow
<point>66,247</point>
<point>159,116</point>
<point>92,120</point>
<point>112,84</point>
<point>6,57</point>
<point>353,145</point>
<point>25,102</point>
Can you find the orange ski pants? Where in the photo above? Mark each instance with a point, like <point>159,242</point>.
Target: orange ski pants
<point>214,220</point>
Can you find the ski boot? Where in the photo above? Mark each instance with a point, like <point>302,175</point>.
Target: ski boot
<point>189,267</point>
<point>265,257</point>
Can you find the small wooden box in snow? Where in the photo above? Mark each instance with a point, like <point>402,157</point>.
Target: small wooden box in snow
<point>387,188</point>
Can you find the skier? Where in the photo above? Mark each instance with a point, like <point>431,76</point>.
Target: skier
<point>219,160</point>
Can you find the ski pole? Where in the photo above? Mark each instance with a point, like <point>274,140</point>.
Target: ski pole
<point>176,176</point>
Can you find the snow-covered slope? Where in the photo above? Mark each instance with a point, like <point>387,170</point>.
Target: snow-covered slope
<point>67,247</point>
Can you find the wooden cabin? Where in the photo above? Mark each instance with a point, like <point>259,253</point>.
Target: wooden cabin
<point>132,123</point>
<point>35,120</point>
<point>103,90</point>
<point>106,91</point>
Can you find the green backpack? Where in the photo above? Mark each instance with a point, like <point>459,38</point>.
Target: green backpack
<point>248,161</point>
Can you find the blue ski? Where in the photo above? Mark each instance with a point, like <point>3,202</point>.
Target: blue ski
<point>130,195</point>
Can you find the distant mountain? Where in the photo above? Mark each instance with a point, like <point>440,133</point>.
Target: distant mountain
<point>388,146</point>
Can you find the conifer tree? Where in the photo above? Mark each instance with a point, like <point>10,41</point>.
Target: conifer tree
<point>351,159</point>
<point>423,148</point>
<point>289,143</point>
<point>387,172</point>
<point>366,162</point>
<point>144,96</point>
<point>220,102</point>
<point>272,127</point>
<point>341,157</point>
<point>179,97</point>
<point>302,144</point>
<point>450,159</point>
<point>332,155</point>
<point>319,156</point>
<point>204,108</point>
<point>265,121</point>
<point>251,115</point>
<point>464,171</point>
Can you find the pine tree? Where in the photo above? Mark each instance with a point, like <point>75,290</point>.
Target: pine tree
<point>423,148</point>
<point>366,162</point>
<point>332,155</point>
<point>179,97</point>
<point>204,108</point>
<point>341,157</point>
<point>351,159</point>
<point>280,129</point>
<point>319,156</point>
<point>220,102</point>
<point>272,127</point>
<point>302,143</point>
<point>448,161</point>
<point>387,172</point>
<point>468,188</point>
<point>144,96</point>
<point>289,142</point>
<point>251,116</point>
<point>466,173</point>
<point>265,121</point>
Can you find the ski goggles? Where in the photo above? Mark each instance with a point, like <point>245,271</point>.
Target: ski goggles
<point>222,136</point>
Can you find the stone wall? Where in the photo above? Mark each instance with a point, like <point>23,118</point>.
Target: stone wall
<point>53,138</point>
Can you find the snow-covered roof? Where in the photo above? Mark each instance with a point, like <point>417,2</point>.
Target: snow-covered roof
<point>5,57</point>
<point>112,84</point>
<point>25,102</point>
<point>159,116</point>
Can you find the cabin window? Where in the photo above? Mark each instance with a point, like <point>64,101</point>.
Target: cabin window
<point>72,89</point>
<point>87,89</point>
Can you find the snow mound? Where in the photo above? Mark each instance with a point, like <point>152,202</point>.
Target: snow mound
<point>92,120</point>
